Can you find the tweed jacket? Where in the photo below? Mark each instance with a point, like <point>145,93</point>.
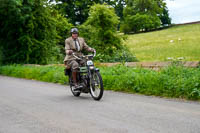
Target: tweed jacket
<point>70,45</point>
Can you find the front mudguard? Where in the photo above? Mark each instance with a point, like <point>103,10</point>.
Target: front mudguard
<point>97,70</point>
<point>94,69</point>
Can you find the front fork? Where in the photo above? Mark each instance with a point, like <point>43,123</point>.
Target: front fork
<point>90,75</point>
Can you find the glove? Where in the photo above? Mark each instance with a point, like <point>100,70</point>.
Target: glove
<point>92,50</point>
<point>70,52</point>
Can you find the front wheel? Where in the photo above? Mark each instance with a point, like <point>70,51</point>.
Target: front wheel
<point>96,86</point>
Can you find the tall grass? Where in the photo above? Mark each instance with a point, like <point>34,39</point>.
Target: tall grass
<point>54,74</point>
<point>174,81</point>
<point>178,41</point>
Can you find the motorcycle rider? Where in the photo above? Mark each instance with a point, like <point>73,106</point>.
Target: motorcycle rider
<point>75,44</point>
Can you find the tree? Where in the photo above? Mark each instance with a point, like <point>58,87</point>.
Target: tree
<point>140,22</point>
<point>103,22</point>
<point>164,17</point>
<point>77,11</point>
<point>100,32</point>
<point>29,31</point>
<point>11,21</point>
<point>63,31</point>
<point>119,7</point>
<point>143,15</point>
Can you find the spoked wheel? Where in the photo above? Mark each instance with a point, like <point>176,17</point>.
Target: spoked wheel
<point>75,93</point>
<point>96,86</point>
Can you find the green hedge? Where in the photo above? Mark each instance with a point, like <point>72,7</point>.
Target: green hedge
<point>174,81</point>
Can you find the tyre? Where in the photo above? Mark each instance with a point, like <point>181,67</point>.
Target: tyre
<point>96,86</point>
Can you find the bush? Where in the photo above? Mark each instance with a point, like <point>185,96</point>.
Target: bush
<point>122,55</point>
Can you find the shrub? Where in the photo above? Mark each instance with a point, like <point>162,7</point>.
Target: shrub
<point>122,55</point>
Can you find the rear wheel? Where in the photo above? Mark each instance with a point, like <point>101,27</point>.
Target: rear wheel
<point>96,86</point>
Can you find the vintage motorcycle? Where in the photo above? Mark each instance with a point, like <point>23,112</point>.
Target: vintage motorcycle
<point>88,77</point>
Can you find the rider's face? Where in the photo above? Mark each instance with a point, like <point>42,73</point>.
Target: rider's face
<point>74,35</point>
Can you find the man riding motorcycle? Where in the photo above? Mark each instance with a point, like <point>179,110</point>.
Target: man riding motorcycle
<point>75,44</point>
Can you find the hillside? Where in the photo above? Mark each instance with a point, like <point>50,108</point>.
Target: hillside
<point>176,43</point>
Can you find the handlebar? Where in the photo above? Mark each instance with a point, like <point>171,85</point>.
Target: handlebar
<point>94,54</point>
<point>76,56</point>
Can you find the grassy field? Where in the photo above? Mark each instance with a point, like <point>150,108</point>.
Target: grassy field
<point>170,44</point>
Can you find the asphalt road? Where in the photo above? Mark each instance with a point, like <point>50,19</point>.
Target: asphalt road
<point>28,106</point>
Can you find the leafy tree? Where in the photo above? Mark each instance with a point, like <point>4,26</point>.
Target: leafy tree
<point>40,33</point>
<point>100,31</point>
<point>144,15</point>
<point>77,11</point>
<point>119,7</point>
<point>164,14</point>
<point>29,31</point>
<point>63,29</point>
<point>140,22</point>
<point>164,17</point>
<point>103,22</point>
<point>11,21</point>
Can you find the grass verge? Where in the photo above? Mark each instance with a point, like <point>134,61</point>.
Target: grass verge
<point>174,81</point>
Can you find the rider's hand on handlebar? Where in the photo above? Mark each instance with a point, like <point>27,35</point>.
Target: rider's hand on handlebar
<point>92,50</point>
<point>70,52</point>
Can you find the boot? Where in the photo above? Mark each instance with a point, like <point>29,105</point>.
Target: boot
<point>76,86</point>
